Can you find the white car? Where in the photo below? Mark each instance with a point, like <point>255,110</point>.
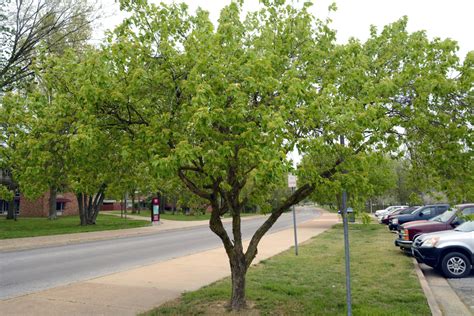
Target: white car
<point>388,210</point>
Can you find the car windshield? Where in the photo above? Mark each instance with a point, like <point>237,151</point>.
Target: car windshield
<point>408,210</point>
<point>415,210</point>
<point>443,218</point>
<point>466,227</point>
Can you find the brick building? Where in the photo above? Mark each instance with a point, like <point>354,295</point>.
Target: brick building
<point>66,204</point>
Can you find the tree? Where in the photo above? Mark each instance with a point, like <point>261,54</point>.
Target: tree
<point>31,32</point>
<point>220,108</point>
<point>39,143</point>
<point>28,26</point>
<point>211,107</point>
<point>52,144</point>
<point>9,122</point>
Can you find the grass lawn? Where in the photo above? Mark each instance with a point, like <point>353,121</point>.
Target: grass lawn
<point>181,216</point>
<point>40,226</point>
<point>383,280</point>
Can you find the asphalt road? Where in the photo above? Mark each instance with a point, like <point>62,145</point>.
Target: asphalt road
<point>464,288</point>
<point>27,271</point>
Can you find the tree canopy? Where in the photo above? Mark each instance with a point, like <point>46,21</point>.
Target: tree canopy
<point>28,27</point>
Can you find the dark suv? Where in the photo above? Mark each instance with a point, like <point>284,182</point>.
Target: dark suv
<point>407,210</point>
<point>422,213</point>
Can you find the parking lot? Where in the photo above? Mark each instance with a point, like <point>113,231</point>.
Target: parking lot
<point>464,288</point>
<point>454,296</point>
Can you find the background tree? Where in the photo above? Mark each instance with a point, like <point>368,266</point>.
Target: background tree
<point>55,144</point>
<point>39,143</point>
<point>31,32</point>
<point>27,26</point>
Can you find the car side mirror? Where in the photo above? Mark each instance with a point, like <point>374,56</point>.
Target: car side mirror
<point>456,222</point>
<point>420,214</point>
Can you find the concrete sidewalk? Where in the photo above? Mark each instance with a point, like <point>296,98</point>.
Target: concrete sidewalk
<point>140,289</point>
<point>66,239</point>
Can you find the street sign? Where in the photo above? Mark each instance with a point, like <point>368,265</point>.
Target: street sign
<point>291,181</point>
<point>155,214</point>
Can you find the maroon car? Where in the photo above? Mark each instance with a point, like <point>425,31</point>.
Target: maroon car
<point>446,221</point>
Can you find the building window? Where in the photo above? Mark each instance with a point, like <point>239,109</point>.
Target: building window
<point>60,207</point>
<point>3,206</point>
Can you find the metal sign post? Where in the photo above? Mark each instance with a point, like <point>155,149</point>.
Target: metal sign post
<point>346,245</point>
<point>292,185</point>
<point>347,255</point>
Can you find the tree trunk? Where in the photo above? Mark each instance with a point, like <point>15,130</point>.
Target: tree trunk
<point>89,206</point>
<point>82,208</point>
<point>89,210</point>
<point>52,204</point>
<point>98,202</point>
<point>238,268</point>
<point>223,201</point>
<point>174,205</point>
<point>11,209</point>
<point>134,211</point>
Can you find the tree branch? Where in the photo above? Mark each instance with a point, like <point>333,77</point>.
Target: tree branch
<point>191,185</point>
<point>293,199</point>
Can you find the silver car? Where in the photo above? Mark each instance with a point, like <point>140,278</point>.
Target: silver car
<point>451,252</point>
<point>388,210</point>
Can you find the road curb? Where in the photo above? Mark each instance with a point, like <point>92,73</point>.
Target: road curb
<point>434,307</point>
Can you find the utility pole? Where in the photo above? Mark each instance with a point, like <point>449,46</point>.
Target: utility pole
<point>346,246</point>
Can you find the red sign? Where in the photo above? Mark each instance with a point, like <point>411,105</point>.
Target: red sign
<point>155,212</point>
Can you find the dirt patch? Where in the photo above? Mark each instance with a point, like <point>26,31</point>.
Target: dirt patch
<point>222,308</point>
<point>215,308</point>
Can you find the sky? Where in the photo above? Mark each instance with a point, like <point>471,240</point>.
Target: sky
<point>439,18</point>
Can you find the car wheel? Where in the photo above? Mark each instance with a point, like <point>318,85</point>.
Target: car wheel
<point>455,265</point>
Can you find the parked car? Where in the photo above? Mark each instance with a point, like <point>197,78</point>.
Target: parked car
<point>422,213</point>
<point>451,252</point>
<point>446,221</point>
<point>406,210</point>
<point>388,210</point>
<point>382,219</point>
